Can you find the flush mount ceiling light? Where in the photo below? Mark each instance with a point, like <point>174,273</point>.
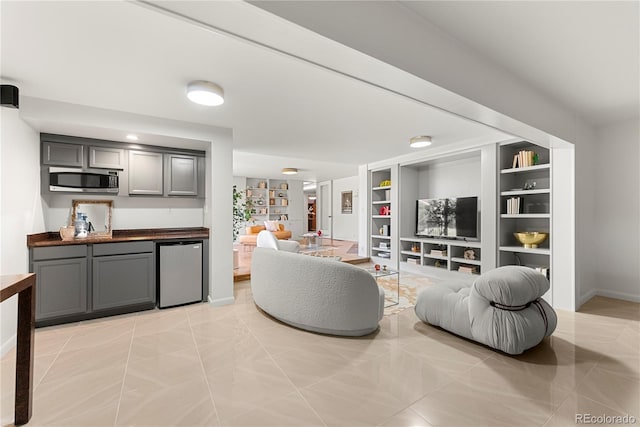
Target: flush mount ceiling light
<point>289,171</point>
<point>132,137</point>
<point>420,141</point>
<point>205,93</point>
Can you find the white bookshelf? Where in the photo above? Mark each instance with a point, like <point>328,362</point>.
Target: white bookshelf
<point>532,185</point>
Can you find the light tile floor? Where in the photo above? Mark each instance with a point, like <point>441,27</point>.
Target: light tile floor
<point>234,366</point>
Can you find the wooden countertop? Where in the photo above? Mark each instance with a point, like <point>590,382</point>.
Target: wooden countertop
<point>53,238</point>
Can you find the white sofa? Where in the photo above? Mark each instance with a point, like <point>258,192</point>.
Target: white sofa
<point>315,294</point>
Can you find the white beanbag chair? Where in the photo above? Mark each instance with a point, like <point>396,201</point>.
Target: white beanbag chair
<point>501,309</point>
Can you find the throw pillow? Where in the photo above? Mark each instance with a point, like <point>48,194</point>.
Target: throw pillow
<point>272,225</point>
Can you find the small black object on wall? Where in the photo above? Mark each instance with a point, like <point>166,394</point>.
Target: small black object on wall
<point>9,96</point>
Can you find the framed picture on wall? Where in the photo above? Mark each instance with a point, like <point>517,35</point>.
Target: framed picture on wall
<point>347,202</point>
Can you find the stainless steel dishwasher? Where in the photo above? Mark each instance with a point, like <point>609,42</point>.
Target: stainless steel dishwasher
<point>180,273</point>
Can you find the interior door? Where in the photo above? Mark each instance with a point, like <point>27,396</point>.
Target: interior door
<point>325,207</point>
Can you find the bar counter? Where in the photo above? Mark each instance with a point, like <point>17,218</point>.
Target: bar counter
<point>54,239</point>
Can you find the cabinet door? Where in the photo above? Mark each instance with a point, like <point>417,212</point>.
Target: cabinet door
<point>62,287</point>
<point>181,177</point>
<point>122,280</point>
<point>202,174</point>
<point>61,154</point>
<point>106,158</point>
<point>145,173</point>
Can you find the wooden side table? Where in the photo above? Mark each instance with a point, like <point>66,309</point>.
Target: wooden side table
<point>24,285</point>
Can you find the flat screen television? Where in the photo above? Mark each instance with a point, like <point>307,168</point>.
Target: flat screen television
<point>454,217</point>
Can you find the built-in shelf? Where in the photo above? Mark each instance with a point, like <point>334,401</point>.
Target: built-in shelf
<point>380,216</point>
<point>382,188</point>
<point>440,257</point>
<point>526,169</point>
<point>525,192</point>
<point>382,249</point>
<point>526,215</point>
<point>376,236</point>
<point>411,253</point>
<point>466,261</point>
<point>522,249</point>
<point>381,202</point>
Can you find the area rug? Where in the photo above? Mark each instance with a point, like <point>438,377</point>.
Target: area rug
<point>410,287</point>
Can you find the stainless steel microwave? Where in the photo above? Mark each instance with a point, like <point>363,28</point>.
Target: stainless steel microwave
<point>83,180</point>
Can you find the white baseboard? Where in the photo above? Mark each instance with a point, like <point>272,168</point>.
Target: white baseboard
<point>618,295</point>
<point>220,301</point>
<point>609,294</point>
<point>8,345</point>
<point>586,297</point>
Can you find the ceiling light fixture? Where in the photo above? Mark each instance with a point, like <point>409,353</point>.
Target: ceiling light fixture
<point>289,171</point>
<point>420,141</point>
<point>132,137</point>
<point>205,93</point>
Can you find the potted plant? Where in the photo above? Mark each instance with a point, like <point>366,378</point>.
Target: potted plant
<point>242,210</point>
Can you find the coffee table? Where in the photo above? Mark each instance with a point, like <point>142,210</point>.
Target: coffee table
<point>313,240</point>
<point>377,274</point>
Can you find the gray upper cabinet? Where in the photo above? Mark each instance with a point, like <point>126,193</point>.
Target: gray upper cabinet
<point>106,158</point>
<point>61,154</point>
<point>145,173</point>
<point>181,175</point>
<point>202,173</point>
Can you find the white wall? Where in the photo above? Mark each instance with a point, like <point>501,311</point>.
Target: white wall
<point>345,226</point>
<point>450,178</point>
<point>20,207</point>
<point>617,252</point>
<point>130,212</point>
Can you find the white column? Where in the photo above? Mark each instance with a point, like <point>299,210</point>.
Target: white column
<point>219,218</point>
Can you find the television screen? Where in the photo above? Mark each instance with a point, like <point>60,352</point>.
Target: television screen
<point>451,217</point>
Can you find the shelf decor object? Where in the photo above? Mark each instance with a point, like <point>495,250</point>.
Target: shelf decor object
<point>530,239</point>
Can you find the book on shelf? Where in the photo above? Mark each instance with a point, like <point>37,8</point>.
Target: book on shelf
<point>513,205</point>
<point>414,261</point>
<point>438,252</point>
<point>523,159</point>
<point>468,269</point>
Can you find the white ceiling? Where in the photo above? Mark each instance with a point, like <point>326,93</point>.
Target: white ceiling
<point>283,111</point>
<point>287,112</point>
<point>583,54</point>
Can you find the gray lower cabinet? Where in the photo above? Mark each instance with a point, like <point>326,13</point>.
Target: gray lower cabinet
<point>123,275</point>
<point>61,288</point>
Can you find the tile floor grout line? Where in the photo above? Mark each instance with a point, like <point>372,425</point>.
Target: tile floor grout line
<point>204,372</point>
<point>124,375</point>
<point>575,389</point>
<point>55,359</point>
<point>297,390</point>
<point>555,411</point>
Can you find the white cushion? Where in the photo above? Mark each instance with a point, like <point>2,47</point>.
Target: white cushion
<point>272,225</point>
<point>266,239</point>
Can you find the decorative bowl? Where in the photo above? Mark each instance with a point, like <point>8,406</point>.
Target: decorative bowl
<point>67,233</point>
<point>531,239</point>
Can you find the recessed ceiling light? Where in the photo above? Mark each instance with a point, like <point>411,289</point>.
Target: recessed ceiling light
<point>205,93</point>
<point>132,137</point>
<point>289,171</point>
<point>420,141</point>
